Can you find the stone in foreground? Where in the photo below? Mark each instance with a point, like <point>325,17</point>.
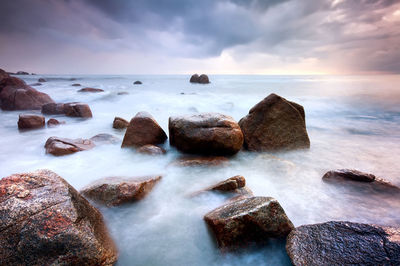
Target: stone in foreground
<point>344,243</point>
<point>30,121</point>
<point>120,123</point>
<point>230,184</point>
<point>151,150</point>
<point>45,221</point>
<point>275,124</point>
<point>206,133</point>
<point>114,191</point>
<point>143,129</point>
<point>63,146</point>
<point>250,220</point>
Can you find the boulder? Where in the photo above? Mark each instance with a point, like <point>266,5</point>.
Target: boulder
<point>104,138</point>
<point>249,220</point>
<point>45,221</point>
<point>275,124</point>
<point>42,80</point>
<point>76,85</point>
<point>194,78</point>
<point>90,90</point>
<point>30,121</point>
<point>120,123</point>
<point>52,122</point>
<point>114,191</point>
<point>143,129</point>
<point>3,74</point>
<point>203,79</point>
<point>137,82</point>
<point>16,95</point>
<point>230,184</point>
<point>53,108</point>
<point>350,174</point>
<point>201,161</point>
<point>206,133</point>
<point>77,110</point>
<point>344,243</point>
<point>63,146</point>
<point>151,150</point>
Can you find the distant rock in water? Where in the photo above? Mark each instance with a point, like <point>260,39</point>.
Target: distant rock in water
<point>250,220</point>
<point>90,90</point>
<point>42,80</point>
<point>30,121</point>
<point>104,138</point>
<point>206,133</point>
<point>16,95</point>
<point>52,122</point>
<point>344,243</point>
<point>22,73</point>
<point>202,79</point>
<point>36,84</point>
<point>114,191</point>
<point>76,85</point>
<point>194,78</point>
<point>120,123</point>
<point>201,161</point>
<point>63,146</point>
<point>45,221</point>
<point>275,124</point>
<point>143,129</point>
<point>76,109</point>
<point>137,82</point>
<point>150,149</point>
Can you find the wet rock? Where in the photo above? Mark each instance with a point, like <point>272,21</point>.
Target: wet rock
<point>151,150</point>
<point>76,85</point>
<point>143,129</point>
<point>42,80</point>
<point>63,146</point>
<point>122,93</point>
<point>344,243</point>
<point>114,191</point>
<point>52,122</point>
<point>230,184</point>
<point>77,110</point>
<point>104,138</point>
<point>45,221</point>
<point>201,161</point>
<point>275,124</point>
<point>36,84</point>
<point>206,133</point>
<point>22,73</point>
<point>90,90</point>
<point>137,82</point>
<point>53,108</point>
<point>194,78</point>
<point>120,123</point>
<point>3,74</point>
<point>16,95</point>
<point>203,79</point>
<point>30,121</point>
<point>249,220</point>
<point>350,174</point>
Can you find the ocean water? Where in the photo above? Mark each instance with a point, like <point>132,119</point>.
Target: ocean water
<point>352,121</point>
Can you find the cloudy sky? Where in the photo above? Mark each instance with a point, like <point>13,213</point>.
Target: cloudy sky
<point>210,36</point>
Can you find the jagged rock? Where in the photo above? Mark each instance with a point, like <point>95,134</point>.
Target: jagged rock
<point>63,146</point>
<point>30,121</point>
<point>120,123</point>
<point>151,150</point>
<point>77,110</point>
<point>90,90</point>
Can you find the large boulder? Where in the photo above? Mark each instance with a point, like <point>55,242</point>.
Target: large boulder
<point>76,109</point>
<point>143,129</point>
<point>63,146</point>
<point>15,94</point>
<point>344,243</point>
<point>206,133</point>
<point>45,221</point>
<point>120,123</point>
<point>249,220</point>
<point>194,78</point>
<point>275,124</point>
<point>113,191</point>
<point>30,121</point>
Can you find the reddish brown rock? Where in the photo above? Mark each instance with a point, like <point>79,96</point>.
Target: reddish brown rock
<point>3,74</point>
<point>53,108</point>
<point>194,78</point>
<point>275,124</point>
<point>114,191</point>
<point>104,138</point>
<point>90,90</point>
<point>202,161</point>
<point>249,220</point>
<point>350,174</point>
<point>120,123</point>
<point>203,79</point>
<point>206,133</point>
<point>77,110</point>
<point>52,122</point>
<point>45,221</point>
<point>16,95</point>
<point>63,146</point>
<point>143,129</point>
<point>151,150</point>
<point>30,121</point>
<point>230,184</point>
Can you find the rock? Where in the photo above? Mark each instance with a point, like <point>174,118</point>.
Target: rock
<point>206,133</point>
<point>142,130</point>
<point>16,95</point>
<point>77,110</point>
<point>151,150</point>
<point>203,79</point>
<point>194,78</point>
<point>201,161</point>
<point>22,73</point>
<point>122,93</point>
<point>53,108</point>
<point>76,85</point>
<point>52,122</point>
<point>3,74</point>
<point>344,243</point>
<point>120,123</point>
<point>137,82</point>
<point>350,174</point>
<point>230,184</point>
<point>104,138</point>
<point>249,220</point>
<point>63,146</point>
<point>30,121</point>
<point>42,80</point>
<point>114,191</point>
<point>36,84</point>
<point>90,90</point>
<point>275,124</point>
<point>45,221</point>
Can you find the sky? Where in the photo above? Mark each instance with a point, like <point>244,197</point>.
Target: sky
<point>207,36</point>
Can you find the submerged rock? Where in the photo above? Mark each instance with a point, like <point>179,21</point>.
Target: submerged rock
<point>63,146</point>
<point>36,84</point>
<point>42,80</point>
<point>120,123</point>
<point>137,82</point>
<point>151,150</point>
<point>143,129</point>
<point>275,124</point>
<point>30,121</point>
<point>344,243</point>
<point>114,191</point>
<point>76,109</point>
<point>52,122</point>
<point>201,161</point>
<point>45,221</point>
<point>206,133</point>
<point>76,85</point>
<point>104,138</point>
<point>249,220</point>
<point>90,90</point>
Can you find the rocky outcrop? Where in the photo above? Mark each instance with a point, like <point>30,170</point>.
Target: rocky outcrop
<point>76,109</point>
<point>3,74</point>
<point>201,161</point>
<point>344,243</point>
<point>202,79</point>
<point>63,146</point>
<point>90,90</point>
<point>45,221</point>
<point>275,124</point>
<point>22,73</point>
<point>120,123</point>
<point>114,191</point>
<point>151,150</point>
<point>206,133</point>
<point>137,82</point>
<point>30,121</point>
<point>52,122</point>
<point>143,129</point>
<point>104,138</point>
<point>42,80</point>
<point>249,220</point>
<point>53,108</point>
<point>15,94</point>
